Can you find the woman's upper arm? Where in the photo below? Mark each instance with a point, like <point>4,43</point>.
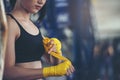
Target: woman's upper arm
<point>10,48</point>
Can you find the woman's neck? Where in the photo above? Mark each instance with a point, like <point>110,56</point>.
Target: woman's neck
<point>20,13</point>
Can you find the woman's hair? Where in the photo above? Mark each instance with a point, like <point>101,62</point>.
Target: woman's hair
<point>42,12</point>
<point>12,3</point>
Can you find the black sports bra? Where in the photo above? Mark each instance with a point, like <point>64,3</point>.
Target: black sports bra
<point>28,47</point>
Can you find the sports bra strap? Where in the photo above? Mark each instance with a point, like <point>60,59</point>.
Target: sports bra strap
<point>14,19</point>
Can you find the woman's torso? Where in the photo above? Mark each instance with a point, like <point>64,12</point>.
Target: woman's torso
<point>25,33</point>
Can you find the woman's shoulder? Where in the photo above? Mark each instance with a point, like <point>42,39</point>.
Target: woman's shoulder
<point>11,22</point>
<point>12,25</point>
<point>10,19</point>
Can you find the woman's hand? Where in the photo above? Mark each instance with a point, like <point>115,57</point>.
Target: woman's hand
<point>64,68</point>
<point>70,70</point>
<point>54,45</point>
<point>51,47</point>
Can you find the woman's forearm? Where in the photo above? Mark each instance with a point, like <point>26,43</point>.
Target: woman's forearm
<point>19,73</point>
<point>52,60</point>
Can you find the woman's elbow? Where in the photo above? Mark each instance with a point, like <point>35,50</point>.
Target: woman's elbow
<point>8,74</point>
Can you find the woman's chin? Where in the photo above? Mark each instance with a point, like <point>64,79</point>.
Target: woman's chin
<point>34,11</point>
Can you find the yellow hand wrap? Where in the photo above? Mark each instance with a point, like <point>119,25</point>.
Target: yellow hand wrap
<point>56,42</point>
<point>59,69</point>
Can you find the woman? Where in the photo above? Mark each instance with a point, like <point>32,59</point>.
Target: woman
<point>25,47</point>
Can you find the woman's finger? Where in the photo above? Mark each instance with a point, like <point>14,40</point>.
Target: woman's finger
<point>72,68</point>
<point>50,43</point>
<point>52,48</point>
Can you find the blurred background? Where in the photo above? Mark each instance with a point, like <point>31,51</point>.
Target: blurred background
<point>90,34</point>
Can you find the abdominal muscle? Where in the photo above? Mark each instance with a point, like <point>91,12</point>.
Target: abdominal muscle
<point>31,65</point>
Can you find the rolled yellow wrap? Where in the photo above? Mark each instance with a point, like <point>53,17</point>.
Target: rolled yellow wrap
<point>60,69</point>
<point>56,42</point>
<point>58,47</point>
